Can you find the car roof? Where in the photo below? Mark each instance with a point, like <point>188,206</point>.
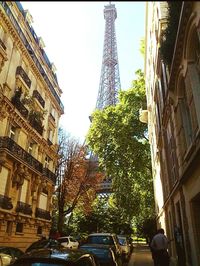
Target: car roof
<point>65,237</point>
<point>61,253</point>
<point>101,234</point>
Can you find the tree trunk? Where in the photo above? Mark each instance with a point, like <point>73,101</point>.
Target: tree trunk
<point>61,218</point>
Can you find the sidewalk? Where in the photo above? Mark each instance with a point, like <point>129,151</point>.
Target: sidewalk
<point>141,256</point>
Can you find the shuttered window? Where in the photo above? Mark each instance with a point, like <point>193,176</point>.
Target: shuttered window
<point>43,201</point>
<point>3,180</point>
<point>24,191</point>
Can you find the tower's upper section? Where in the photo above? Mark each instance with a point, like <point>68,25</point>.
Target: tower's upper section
<point>110,11</point>
<point>109,80</point>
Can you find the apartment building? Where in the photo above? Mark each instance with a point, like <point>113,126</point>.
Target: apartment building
<point>30,109</point>
<point>173,106</point>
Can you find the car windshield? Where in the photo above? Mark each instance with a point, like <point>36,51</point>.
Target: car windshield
<point>122,241</point>
<point>106,240</point>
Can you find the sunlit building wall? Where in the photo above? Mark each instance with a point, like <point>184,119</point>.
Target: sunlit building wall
<point>29,118</point>
<point>173,103</point>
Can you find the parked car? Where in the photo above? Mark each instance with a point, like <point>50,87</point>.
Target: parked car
<point>44,243</point>
<point>57,257</point>
<point>5,259</point>
<point>105,246</point>
<point>104,253</point>
<point>9,254</point>
<point>68,242</point>
<point>125,246</point>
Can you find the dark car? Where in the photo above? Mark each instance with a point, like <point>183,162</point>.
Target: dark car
<point>44,243</point>
<point>15,253</point>
<point>106,248</point>
<point>104,253</point>
<point>57,257</point>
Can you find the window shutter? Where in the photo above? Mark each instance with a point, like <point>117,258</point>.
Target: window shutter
<point>24,191</point>
<point>43,201</point>
<point>3,180</point>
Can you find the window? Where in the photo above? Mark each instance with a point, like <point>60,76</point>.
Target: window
<point>24,190</point>
<point>3,180</point>
<point>46,163</point>
<point>12,132</point>
<point>39,230</point>
<point>53,112</point>
<point>9,227</point>
<point>30,148</point>
<point>50,135</point>
<point>19,227</point>
<point>43,201</point>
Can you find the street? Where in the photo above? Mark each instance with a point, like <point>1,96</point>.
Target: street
<point>141,256</point>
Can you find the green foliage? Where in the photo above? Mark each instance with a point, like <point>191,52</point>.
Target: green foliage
<point>104,217</point>
<point>142,47</point>
<point>119,140</point>
<point>168,37</point>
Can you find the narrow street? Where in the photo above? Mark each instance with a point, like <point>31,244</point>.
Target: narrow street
<point>141,256</point>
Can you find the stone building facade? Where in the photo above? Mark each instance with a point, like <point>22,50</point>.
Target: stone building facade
<point>30,109</point>
<point>173,100</point>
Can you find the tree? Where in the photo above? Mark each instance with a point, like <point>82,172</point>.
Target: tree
<point>77,178</point>
<point>104,217</point>
<point>120,141</point>
<point>142,47</point>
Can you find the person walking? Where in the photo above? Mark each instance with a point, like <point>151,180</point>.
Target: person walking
<point>159,246</point>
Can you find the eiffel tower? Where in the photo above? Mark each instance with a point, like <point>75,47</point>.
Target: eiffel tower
<point>109,85</point>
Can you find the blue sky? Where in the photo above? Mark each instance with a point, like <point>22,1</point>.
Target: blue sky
<point>73,33</point>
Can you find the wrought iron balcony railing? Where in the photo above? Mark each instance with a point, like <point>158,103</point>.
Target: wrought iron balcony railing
<point>37,95</point>
<point>22,73</point>
<point>20,107</point>
<point>40,213</point>
<point>24,208</point>
<point>36,125</point>
<point>49,174</point>
<point>15,149</point>
<point>5,202</point>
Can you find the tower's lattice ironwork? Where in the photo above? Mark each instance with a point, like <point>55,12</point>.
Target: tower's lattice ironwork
<point>110,80</point>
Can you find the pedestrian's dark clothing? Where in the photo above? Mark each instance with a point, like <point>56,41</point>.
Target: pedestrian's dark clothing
<point>159,245</point>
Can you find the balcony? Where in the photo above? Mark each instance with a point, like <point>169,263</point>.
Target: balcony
<point>24,208</point>
<point>40,213</point>
<point>37,95</point>
<point>5,203</point>
<point>47,173</point>
<point>36,124</point>
<point>20,107</point>
<point>14,149</point>
<point>24,76</point>
<point>143,116</point>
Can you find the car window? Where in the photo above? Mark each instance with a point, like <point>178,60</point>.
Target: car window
<point>106,240</point>
<point>72,239</point>
<point>122,241</point>
<point>63,240</point>
<point>39,244</point>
